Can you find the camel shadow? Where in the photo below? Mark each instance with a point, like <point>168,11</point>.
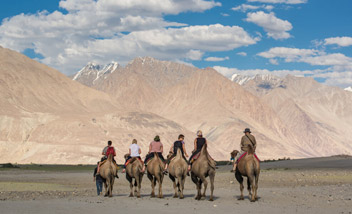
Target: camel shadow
<point>246,198</point>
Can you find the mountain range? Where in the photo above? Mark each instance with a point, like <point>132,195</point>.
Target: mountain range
<point>48,118</point>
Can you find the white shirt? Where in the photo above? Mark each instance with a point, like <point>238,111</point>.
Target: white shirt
<point>134,150</point>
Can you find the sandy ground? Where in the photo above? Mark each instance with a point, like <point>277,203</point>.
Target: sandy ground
<point>322,185</point>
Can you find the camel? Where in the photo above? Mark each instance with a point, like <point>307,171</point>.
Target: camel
<point>108,171</point>
<point>203,167</point>
<point>178,170</point>
<point>249,167</point>
<point>133,170</point>
<point>155,172</point>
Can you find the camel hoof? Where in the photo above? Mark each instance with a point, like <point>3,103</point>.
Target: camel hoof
<point>110,196</point>
<point>152,196</point>
<point>252,200</point>
<point>175,196</point>
<point>241,199</point>
<point>138,196</point>
<point>181,197</point>
<point>160,196</point>
<point>211,199</point>
<point>131,195</point>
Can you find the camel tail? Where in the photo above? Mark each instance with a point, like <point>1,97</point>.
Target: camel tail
<point>110,157</point>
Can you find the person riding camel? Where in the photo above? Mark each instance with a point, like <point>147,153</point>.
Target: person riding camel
<point>246,140</point>
<point>134,152</point>
<point>155,146</point>
<point>179,144</point>
<point>199,142</point>
<point>109,149</point>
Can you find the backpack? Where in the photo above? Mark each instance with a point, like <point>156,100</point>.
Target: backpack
<point>109,151</point>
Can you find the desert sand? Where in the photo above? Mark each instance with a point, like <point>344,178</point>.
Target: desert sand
<point>319,185</point>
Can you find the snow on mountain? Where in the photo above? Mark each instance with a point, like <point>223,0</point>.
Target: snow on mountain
<point>93,72</point>
<point>348,89</point>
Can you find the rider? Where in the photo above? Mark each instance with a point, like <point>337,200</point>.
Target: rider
<point>134,151</point>
<point>180,144</point>
<point>155,146</point>
<point>246,140</point>
<point>199,142</point>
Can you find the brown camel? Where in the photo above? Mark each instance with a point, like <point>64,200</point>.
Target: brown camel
<point>203,167</point>
<point>178,170</point>
<point>133,170</point>
<point>108,171</point>
<point>249,167</point>
<point>155,173</point>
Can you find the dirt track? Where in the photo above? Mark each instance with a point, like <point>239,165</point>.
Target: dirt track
<point>298,186</point>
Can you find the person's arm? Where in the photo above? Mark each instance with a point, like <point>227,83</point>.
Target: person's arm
<point>184,150</point>
<point>150,148</point>
<point>103,152</point>
<point>255,143</point>
<point>139,151</point>
<point>95,172</point>
<point>162,148</point>
<point>172,148</point>
<point>114,152</point>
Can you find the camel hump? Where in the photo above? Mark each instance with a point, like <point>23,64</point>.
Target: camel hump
<point>178,153</point>
<point>110,157</point>
<point>250,149</point>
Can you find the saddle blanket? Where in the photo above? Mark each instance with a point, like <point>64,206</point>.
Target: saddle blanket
<point>130,160</point>
<point>244,154</point>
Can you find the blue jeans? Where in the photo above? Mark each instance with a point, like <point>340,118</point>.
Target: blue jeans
<point>99,184</point>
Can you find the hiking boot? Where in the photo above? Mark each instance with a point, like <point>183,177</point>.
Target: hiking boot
<point>123,171</point>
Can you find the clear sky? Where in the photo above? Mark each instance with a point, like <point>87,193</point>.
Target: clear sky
<point>298,37</point>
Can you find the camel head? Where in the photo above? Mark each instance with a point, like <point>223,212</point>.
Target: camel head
<point>234,153</point>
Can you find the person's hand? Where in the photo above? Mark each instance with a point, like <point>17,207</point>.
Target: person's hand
<point>186,155</point>
<point>93,179</point>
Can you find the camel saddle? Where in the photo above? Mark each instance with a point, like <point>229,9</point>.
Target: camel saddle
<point>131,160</point>
<point>101,163</point>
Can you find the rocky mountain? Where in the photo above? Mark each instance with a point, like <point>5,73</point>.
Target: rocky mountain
<point>204,99</point>
<point>318,110</point>
<point>46,117</point>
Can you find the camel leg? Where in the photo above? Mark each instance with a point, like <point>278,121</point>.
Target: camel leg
<point>239,178</point>
<point>135,185</point>
<point>139,186</point>
<point>131,187</point>
<point>212,178</point>
<point>251,180</point>
<point>160,180</point>
<point>153,187</point>
<point>256,186</point>
<point>150,177</point>
<point>106,188</point>
<point>111,187</point>
<point>249,188</point>
<point>174,184</point>
<point>182,186</point>
<point>205,185</point>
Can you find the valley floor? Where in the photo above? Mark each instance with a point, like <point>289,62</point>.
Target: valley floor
<point>296,186</point>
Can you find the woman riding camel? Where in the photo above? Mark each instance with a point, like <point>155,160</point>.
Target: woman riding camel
<point>246,140</point>
<point>155,146</point>
<point>199,142</point>
<point>179,144</point>
<point>134,152</point>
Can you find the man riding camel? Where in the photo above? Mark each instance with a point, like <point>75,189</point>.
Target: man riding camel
<point>134,151</point>
<point>246,140</point>
<point>109,149</point>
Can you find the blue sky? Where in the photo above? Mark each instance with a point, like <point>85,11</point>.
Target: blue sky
<point>298,37</point>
